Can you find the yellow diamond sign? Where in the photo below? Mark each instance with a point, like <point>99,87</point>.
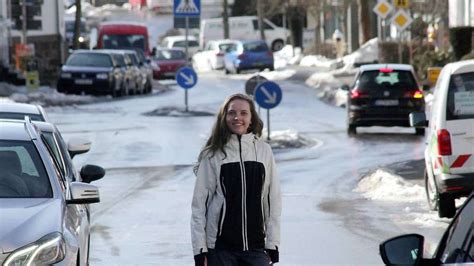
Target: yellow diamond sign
<point>383,8</point>
<point>401,20</point>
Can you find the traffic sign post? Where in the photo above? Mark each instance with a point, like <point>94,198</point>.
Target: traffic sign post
<point>186,77</point>
<point>190,11</point>
<point>268,95</point>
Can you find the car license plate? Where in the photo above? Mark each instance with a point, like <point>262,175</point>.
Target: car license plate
<point>83,81</point>
<point>386,102</point>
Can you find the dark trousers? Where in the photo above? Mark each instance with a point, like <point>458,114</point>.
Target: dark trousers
<point>219,257</point>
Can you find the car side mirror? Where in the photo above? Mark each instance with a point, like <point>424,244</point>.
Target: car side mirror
<point>82,193</point>
<point>345,87</point>
<point>418,119</point>
<point>403,250</point>
<point>90,172</point>
<point>77,146</point>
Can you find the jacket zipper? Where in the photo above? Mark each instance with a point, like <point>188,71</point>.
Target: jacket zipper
<point>244,197</point>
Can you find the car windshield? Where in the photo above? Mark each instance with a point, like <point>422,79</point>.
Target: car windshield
<point>170,55</point>
<point>227,47</point>
<point>20,116</point>
<point>373,80</point>
<point>23,174</point>
<point>70,26</point>
<point>255,47</point>
<point>129,41</point>
<point>461,97</point>
<point>89,59</point>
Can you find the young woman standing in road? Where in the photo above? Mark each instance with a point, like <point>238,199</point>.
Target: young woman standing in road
<point>236,204</point>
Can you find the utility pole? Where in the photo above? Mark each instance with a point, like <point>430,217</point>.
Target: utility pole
<point>24,22</point>
<point>225,18</point>
<point>260,19</point>
<point>77,26</point>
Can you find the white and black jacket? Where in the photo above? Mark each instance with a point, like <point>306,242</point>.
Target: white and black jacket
<point>237,202</point>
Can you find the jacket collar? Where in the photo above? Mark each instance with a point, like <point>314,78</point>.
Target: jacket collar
<point>245,138</point>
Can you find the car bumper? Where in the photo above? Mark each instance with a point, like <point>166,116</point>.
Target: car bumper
<point>89,87</point>
<point>456,184</point>
<point>393,116</point>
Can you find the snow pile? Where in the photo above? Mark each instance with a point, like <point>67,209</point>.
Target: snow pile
<point>287,139</point>
<point>382,185</point>
<point>328,87</point>
<point>368,52</point>
<point>47,96</point>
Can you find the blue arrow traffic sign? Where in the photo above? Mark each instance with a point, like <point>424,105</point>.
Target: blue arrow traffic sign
<point>185,8</point>
<point>268,94</point>
<point>186,77</point>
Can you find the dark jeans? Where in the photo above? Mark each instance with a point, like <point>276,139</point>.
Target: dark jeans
<point>219,257</point>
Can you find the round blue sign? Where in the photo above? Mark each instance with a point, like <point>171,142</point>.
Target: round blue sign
<point>268,94</point>
<point>186,77</point>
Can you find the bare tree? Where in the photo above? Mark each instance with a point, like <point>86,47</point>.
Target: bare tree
<point>364,20</point>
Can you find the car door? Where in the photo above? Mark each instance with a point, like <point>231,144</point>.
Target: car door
<point>76,215</point>
<point>457,244</point>
<point>460,123</point>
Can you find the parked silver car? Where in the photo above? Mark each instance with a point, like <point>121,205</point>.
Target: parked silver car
<point>43,205</point>
<point>12,110</point>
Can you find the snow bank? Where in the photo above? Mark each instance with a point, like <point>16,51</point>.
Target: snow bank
<point>385,186</point>
<point>368,52</point>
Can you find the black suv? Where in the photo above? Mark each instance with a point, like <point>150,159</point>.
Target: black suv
<point>383,95</point>
<point>455,248</point>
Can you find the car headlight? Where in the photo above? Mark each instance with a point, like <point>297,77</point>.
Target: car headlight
<point>81,39</point>
<point>102,76</point>
<point>66,75</point>
<point>48,250</point>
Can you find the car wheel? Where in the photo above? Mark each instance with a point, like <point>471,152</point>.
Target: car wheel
<point>237,70</point>
<point>226,71</point>
<point>420,131</point>
<point>272,68</point>
<point>431,192</point>
<point>446,206</point>
<point>277,45</point>
<point>351,129</point>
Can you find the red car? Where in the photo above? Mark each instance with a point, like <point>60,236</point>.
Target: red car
<point>169,61</point>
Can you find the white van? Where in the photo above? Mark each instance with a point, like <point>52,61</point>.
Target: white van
<point>243,28</point>
<point>449,159</point>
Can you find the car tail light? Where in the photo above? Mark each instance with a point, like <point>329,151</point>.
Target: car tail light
<point>241,56</point>
<point>356,93</point>
<point>386,70</point>
<point>417,94</point>
<point>220,54</point>
<point>444,142</point>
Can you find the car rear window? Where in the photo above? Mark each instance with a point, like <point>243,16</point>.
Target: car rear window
<point>170,55</point>
<point>86,59</point>
<point>23,174</point>
<point>182,44</point>
<point>460,97</point>
<point>127,41</point>
<point>255,47</point>
<point>373,80</point>
<point>20,116</point>
<point>225,47</point>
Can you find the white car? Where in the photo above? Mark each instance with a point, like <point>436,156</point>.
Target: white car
<point>12,110</point>
<point>212,57</point>
<point>449,152</point>
<point>180,42</point>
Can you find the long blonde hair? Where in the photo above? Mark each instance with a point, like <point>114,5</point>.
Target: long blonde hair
<point>221,133</point>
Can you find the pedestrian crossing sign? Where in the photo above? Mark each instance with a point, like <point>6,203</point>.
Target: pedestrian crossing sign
<point>187,8</point>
